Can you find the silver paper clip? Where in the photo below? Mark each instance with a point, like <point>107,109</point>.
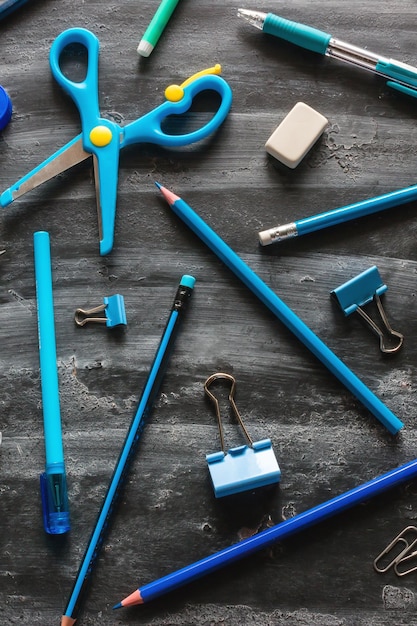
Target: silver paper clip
<point>361,290</point>
<point>408,558</point>
<point>114,313</point>
<point>244,467</point>
<point>402,549</point>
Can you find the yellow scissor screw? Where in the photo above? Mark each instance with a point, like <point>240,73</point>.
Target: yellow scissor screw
<point>175,93</point>
<point>100,136</point>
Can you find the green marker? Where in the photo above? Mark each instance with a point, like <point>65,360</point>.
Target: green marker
<point>156,27</point>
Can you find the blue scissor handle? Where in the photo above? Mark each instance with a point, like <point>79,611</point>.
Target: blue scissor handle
<point>105,138</point>
<point>85,95</point>
<point>148,127</point>
<point>85,92</point>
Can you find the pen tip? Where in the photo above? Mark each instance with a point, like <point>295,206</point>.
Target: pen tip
<point>67,621</point>
<point>158,185</point>
<point>118,606</point>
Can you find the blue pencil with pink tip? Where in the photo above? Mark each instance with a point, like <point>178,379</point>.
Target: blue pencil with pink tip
<point>265,538</point>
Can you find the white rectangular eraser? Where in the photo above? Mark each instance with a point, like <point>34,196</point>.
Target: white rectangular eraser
<point>296,134</point>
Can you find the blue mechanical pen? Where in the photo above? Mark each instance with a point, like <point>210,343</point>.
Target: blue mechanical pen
<point>53,481</point>
<point>400,76</point>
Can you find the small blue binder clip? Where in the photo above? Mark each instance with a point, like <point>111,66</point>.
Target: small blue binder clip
<point>363,289</point>
<point>243,468</point>
<point>114,311</point>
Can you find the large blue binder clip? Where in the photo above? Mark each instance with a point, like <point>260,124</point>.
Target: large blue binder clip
<point>114,313</point>
<point>361,290</point>
<point>245,467</point>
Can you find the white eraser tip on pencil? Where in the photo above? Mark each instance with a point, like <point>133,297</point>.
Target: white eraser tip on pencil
<point>296,134</point>
<point>265,237</point>
<point>145,48</point>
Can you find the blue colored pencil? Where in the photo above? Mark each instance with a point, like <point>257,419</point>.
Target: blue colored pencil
<point>148,396</point>
<point>265,538</point>
<point>282,311</point>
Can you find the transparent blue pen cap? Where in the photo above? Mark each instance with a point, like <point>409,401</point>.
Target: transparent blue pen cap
<point>55,510</point>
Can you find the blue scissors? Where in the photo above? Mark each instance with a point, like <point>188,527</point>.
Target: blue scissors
<point>103,139</point>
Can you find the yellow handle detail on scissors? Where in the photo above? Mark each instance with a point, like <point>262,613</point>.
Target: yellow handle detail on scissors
<point>101,136</point>
<point>175,93</point>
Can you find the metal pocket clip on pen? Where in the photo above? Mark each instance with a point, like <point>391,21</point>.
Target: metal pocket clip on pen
<point>361,290</point>
<point>245,467</point>
<point>114,313</point>
<point>402,549</point>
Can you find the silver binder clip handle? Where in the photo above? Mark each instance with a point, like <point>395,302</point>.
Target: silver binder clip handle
<point>387,331</point>
<point>86,316</point>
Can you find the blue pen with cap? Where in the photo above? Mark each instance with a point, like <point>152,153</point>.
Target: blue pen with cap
<point>53,481</point>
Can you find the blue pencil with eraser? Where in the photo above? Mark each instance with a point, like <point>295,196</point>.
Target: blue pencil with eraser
<point>107,510</point>
<point>313,223</point>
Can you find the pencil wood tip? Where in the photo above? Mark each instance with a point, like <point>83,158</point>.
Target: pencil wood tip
<point>169,196</point>
<point>67,621</point>
<point>134,598</point>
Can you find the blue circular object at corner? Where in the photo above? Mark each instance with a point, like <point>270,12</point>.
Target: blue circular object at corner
<point>5,108</point>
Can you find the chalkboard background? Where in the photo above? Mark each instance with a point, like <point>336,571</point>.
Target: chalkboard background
<point>326,442</point>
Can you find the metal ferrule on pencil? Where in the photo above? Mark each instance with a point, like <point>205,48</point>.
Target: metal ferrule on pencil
<point>182,297</point>
<point>279,233</point>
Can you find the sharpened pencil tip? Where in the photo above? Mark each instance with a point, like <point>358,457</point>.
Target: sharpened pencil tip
<point>132,600</point>
<point>169,196</point>
<point>67,621</point>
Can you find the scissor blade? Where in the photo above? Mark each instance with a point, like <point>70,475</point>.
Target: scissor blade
<point>106,167</point>
<point>68,156</point>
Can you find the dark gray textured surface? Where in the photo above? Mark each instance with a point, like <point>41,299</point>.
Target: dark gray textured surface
<point>325,441</point>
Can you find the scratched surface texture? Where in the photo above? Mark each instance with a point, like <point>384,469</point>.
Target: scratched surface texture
<point>325,440</point>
